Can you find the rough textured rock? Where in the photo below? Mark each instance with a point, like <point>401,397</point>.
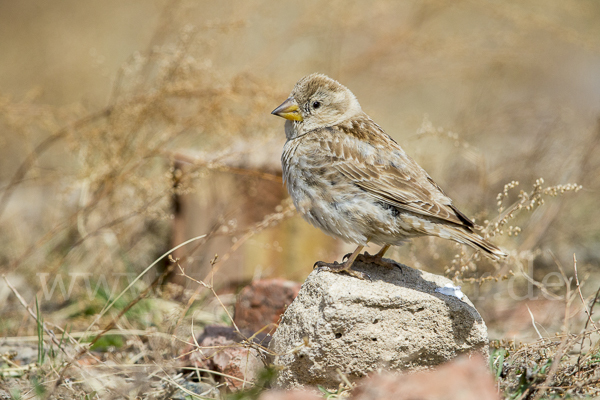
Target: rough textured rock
<point>262,303</point>
<point>259,304</point>
<point>396,321</point>
<point>219,350</point>
<point>463,378</point>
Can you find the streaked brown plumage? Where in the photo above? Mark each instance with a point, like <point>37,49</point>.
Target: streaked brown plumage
<point>347,177</point>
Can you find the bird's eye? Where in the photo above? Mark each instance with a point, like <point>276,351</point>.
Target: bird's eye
<point>316,104</point>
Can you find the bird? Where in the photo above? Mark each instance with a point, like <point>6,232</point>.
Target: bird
<point>349,178</point>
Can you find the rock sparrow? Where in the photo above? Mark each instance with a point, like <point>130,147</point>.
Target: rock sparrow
<point>349,178</point>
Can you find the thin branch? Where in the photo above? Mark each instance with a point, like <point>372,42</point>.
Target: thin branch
<point>589,318</point>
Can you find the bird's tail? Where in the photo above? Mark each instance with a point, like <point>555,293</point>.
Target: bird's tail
<point>474,240</point>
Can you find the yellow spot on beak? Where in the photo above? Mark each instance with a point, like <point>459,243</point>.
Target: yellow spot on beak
<point>289,110</point>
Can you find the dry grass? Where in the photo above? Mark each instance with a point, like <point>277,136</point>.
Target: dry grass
<point>180,145</point>
<point>562,366</point>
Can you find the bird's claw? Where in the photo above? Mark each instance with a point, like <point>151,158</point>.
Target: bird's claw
<point>364,276</point>
<point>374,259</point>
<point>347,256</point>
<point>323,264</point>
<point>336,267</point>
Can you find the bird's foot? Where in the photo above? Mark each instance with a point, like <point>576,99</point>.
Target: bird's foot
<point>375,259</point>
<point>338,268</point>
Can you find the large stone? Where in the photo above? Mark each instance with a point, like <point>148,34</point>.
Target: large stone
<point>339,324</point>
<point>219,349</point>
<point>462,378</point>
<point>260,304</point>
<point>289,395</point>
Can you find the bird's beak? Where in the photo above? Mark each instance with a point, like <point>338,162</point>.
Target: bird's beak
<point>289,110</point>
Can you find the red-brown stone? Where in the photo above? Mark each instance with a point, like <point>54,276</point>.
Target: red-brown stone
<point>219,349</point>
<point>261,303</point>
<point>289,395</point>
<point>463,378</point>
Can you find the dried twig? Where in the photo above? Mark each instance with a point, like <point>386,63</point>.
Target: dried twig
<point>589,315</point>
<point>589,318</point>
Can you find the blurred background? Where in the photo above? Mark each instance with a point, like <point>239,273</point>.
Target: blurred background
<point>127,128</point>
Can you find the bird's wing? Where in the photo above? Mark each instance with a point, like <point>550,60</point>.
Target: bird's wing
<point>382,169</point>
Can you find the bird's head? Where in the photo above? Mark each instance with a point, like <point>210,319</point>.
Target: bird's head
<point>316,101</point>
